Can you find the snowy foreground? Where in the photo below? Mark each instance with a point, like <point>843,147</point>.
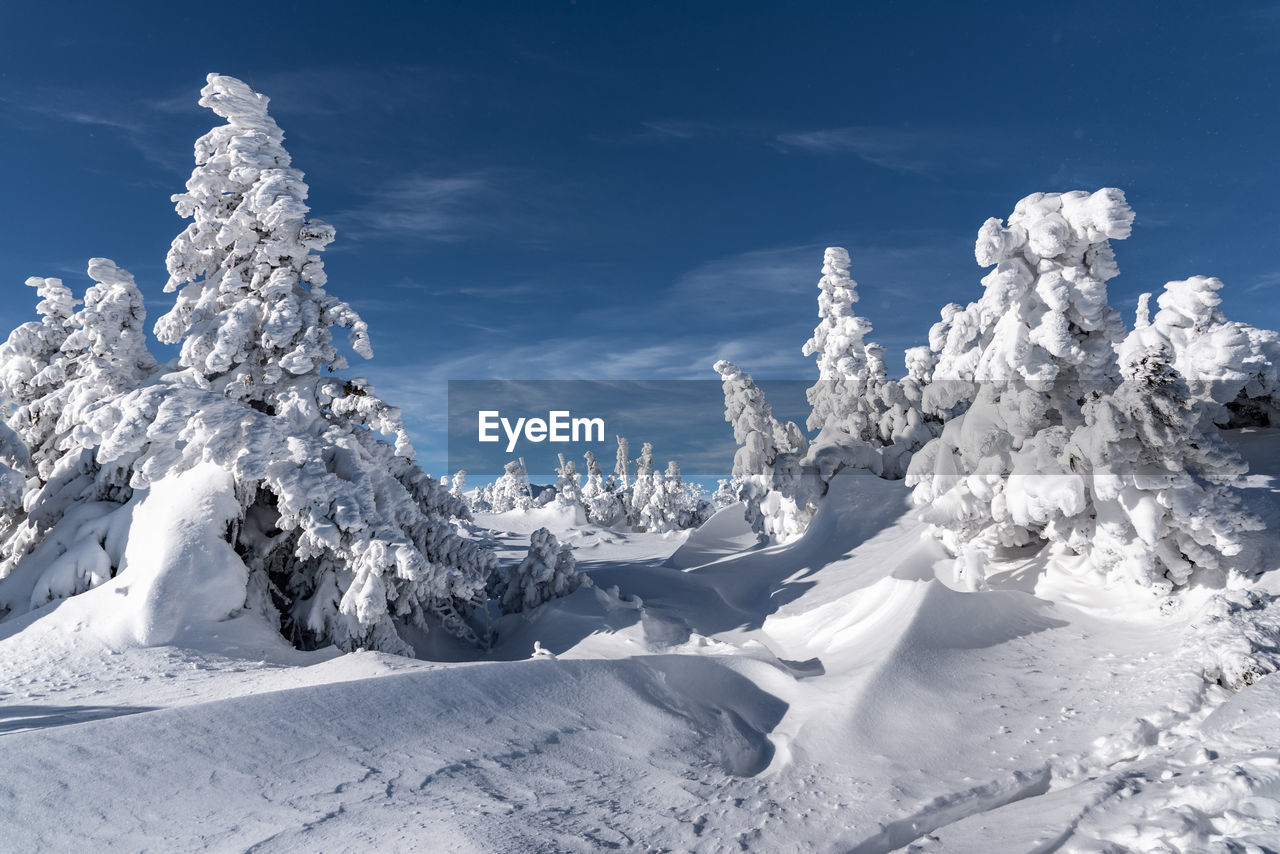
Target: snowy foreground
<point>832,693</point>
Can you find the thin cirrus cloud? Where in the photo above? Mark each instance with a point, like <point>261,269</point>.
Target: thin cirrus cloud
<point>438,208</point>
<point>921,152</point>
<point>134,123</point>
<point>1264,282</point>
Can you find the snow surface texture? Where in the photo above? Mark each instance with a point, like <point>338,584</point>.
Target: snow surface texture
<point>826,694</point>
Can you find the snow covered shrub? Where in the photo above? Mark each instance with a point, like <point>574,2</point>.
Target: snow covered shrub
<point>547,572</point>
<point>341,538</point>
<point>1232,366</point>
<point>1038,342</point>
<point>1153,502</point>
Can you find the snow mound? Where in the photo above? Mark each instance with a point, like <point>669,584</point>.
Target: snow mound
<point>179,569</point>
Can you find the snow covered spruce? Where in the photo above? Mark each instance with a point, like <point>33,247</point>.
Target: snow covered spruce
<point>111,463</point>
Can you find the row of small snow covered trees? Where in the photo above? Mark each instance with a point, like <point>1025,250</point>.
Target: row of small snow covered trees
<point>343,538</point>
<point>643,500</point>
<point>1032,419</point>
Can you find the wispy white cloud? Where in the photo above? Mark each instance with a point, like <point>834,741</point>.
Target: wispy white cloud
<point>917,151</point>
<point>1264,282</point>
<point>664,130</point>
<point>426,207</point>
<point>129,122</point>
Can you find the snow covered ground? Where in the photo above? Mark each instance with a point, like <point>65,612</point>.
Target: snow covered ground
<point>836,693</point>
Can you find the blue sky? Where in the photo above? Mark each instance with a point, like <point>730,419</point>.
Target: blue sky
<point>560,190</point>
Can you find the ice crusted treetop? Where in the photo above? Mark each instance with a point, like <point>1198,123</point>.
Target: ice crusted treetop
<point>1048,293</point>
<point>251,307</point>
<point>1043,321</point>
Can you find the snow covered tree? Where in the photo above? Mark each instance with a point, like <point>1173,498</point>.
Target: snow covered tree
<point>1041,338</point>
<point>673,504</point>
<point>842,355</point>
<point>642,487</point>
<point>904,425</point>
<point>1232,366</point>
<point>622,465</point>
<point>252,311</point>
<point>726,493</point>
<point>332,533</point>
<point>33,371</point>
<point>458,487</point>
<point>766,473</point>
<point>568,487</point>
<point>547,572</point>
<point>602,503</point>
<point>754,428</point>
<point>511,490</point>
<point>1153,502</point>
<point>15,468</point>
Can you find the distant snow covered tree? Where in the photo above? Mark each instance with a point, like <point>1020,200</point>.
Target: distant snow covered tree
<point>675,505</point>
<point>547,572</point>
<point>600,497</point>
<point>1040,340</point>
<point>568,486</point>
<point>642,487</point>
<point>511,490</point>
<point>726,493</point>
<point>340,537</point>
<point>458,487</point>
<point>622,465</point>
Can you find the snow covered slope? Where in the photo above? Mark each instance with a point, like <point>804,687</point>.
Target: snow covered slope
<point>833,694</point>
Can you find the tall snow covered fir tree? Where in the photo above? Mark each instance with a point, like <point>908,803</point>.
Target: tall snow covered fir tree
<point>841,354</point>
<point>340,537</point>
<point>251,311</point>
